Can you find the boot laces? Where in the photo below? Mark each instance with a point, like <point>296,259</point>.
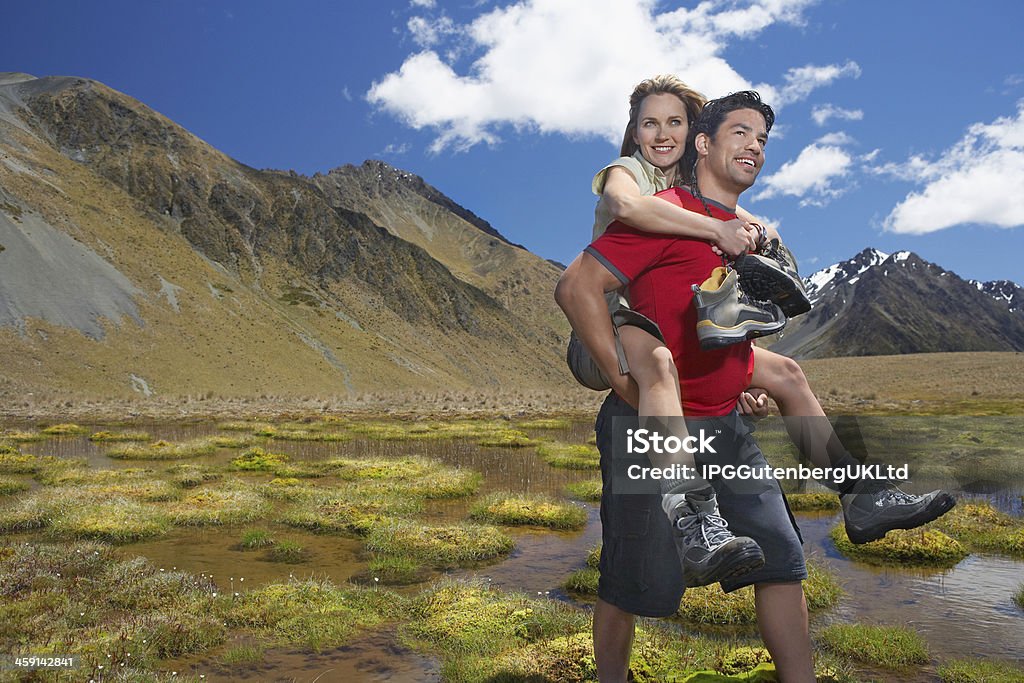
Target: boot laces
<point>895,496</point>
<point>744,298</point>
<point>707,529</point>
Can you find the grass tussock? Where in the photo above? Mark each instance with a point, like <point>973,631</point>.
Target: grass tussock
<point>1018,597</point>
<point>453,545</point>
<point>980,671</point>
<point>9,486</point>
<point>162,450</point>
<point>187,475</point>
<point>256,539</point>
<point>351,509</point>
<point>114,520</point>
<point>813,502</point>
<point>533,510</point>
<point>589,490</point>
<point>571,456</point>
<point>394,570</point>
<point>246,655</point>
<point>288,552</point>
<point>890,647</point>
<point>129,614</point>
<point>918,547</point>
<point>980,526</point>
<point>258,460</point>
<point>214,506</point>
<point>414,476</point>
<point>313,613</point>
<point>19,436</point>
<point>108,437</point>
<point>231,441</point>
<point>545,423</point>
<point>507,438</point>
<point>710,605</point>
<point>13,461</point>
<point>488,635</point>
<point>66,429</point>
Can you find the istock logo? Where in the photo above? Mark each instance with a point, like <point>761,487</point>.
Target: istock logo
<point>644,441</point>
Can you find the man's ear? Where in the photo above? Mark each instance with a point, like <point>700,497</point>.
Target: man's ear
<point>701,143</point>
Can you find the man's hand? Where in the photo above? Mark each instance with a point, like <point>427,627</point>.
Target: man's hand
<point>753,403</point>
<point>734,238</point>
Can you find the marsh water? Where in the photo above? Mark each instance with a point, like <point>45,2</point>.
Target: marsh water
<point>966,611</point>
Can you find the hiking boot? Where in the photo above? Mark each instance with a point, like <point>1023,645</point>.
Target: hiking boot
<point>707,549</point>
<point>771,275</point>
<point>873,509</point>
<point>725,315</point>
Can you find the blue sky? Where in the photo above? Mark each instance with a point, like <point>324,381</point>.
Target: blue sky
<point>900,124</point>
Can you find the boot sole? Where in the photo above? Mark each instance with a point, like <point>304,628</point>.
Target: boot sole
<point>766,282</point>
<point>711,336</point>
<point>938,507</point>
<point>740,561</point>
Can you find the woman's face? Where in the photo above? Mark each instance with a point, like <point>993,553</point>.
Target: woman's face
<point>661,130</point>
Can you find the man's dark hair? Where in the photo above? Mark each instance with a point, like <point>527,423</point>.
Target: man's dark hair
<point>711,118</point>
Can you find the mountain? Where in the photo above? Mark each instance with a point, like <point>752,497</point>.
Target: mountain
<point>136,258</point>
<point>880,304</point>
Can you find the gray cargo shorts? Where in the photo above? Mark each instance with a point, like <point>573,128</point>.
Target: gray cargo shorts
<point>578,358</point>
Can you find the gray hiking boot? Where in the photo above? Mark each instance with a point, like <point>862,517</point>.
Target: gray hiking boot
<point>725,315</point>
<point>873,509</point>
<point>707,549</point>
<point>771,275</point>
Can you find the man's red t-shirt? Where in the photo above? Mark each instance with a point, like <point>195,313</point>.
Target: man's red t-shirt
<point>660,270</point>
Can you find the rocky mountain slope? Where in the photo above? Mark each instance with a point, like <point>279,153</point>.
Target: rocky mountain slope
<point>878,304</point>
<point>134,257</point>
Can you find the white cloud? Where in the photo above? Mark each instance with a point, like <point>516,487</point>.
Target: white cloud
<point>429,32</point>
<point>567,66</point>
<point>396,149</point>
<point>822,113</point>
<point>976,181</point>
<point>838,138</point>
<point>425,4</point>
<point>801,81</point>
<point>810,176</point>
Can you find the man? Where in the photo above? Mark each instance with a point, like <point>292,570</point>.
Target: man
<point>640,571</point>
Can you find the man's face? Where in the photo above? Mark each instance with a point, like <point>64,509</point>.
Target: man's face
<point>736,153</point>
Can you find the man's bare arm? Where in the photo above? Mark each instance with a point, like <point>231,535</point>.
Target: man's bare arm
<point>580,295</point>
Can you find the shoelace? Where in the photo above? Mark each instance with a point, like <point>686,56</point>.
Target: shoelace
<point>766,306</point>
<point>895,496</point>
<point>712,530</point>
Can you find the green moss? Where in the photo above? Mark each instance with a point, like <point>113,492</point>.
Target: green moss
<point>982,527</point>
<point>13,461</point>
<point>440,546</point>
<point>313,613</point>
<point>742,659</point>
<point>119,436</point>
<point>589,490</point>
<point>1018,597</point>
<point>812,502</point>
<point>243,426</point>
<point>230,442</point>
<point>162,450</point>
<point>710,605</point>
<point>891,647</point>
<point>218,506</point>
<point>980,671</point>
<point>507,508</point>
<point>67,429</point>
<point>9,486</point>
<point>570,456</point>
<point>918,547</point>
<point>258,460</point>
<point>394,570</point>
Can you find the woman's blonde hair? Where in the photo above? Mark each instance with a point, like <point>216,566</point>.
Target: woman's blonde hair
<point>665,83</point>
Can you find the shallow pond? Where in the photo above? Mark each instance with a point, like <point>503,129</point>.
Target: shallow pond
<point>963,612</point>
